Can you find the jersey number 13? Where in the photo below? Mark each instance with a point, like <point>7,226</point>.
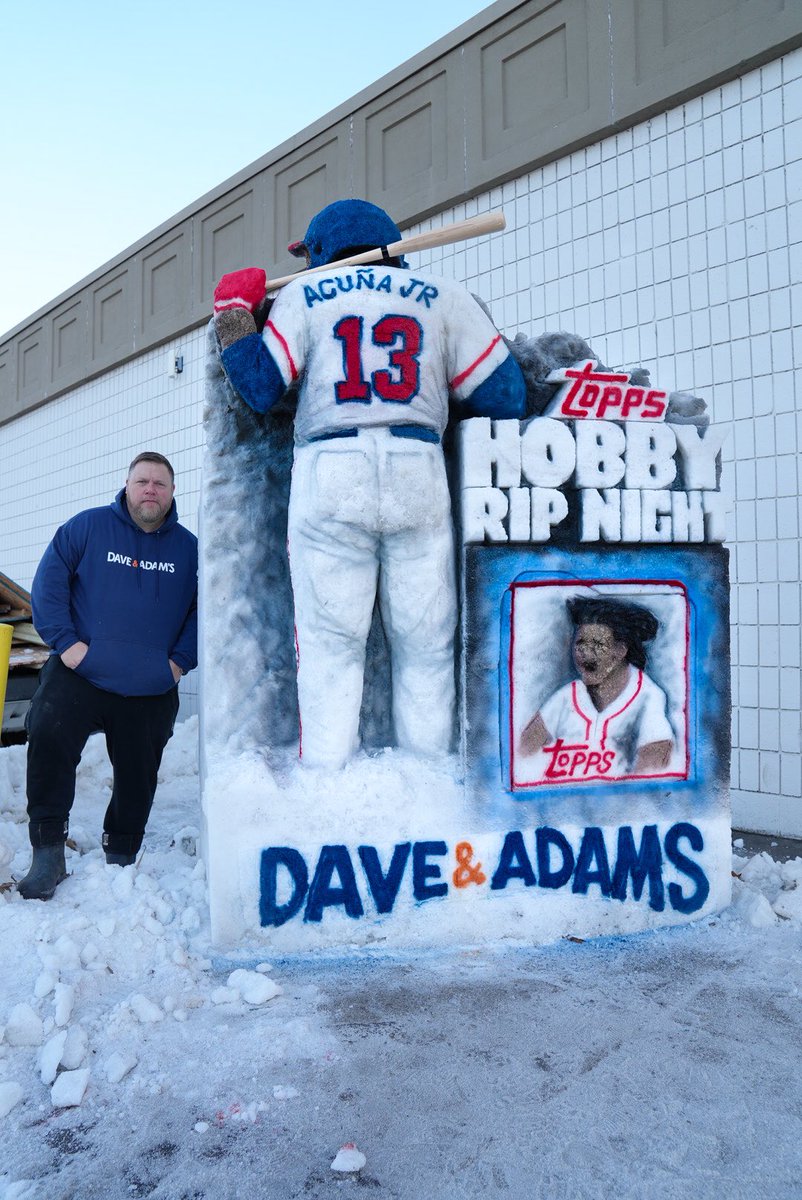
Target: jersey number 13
<point>399,382</point>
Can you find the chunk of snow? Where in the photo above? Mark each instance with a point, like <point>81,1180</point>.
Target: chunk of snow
<point>67,954</point>
<point>64,999</point>
<point>348,1158</point>
<point>10,1094</point>
<point>283,1091</point>
<point>187,840</point>
<point>24,1027</point>
<point>145,1010</point>
<point>792,872</point>
<point>754,909</point>
<point>122,884</point>
<point>162,910</point>
<point>190,920</point>
<point>50,1057</point>
<point>89,953</point>
<point>45,983</point>
<point>253,987</point>
<point>75,1047</point>
<point>68,1090</point>
<point>789,904</point>
<point>118,1066</point>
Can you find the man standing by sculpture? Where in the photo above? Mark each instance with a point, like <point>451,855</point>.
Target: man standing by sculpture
<point>115,597</point>
<point>377,354</point>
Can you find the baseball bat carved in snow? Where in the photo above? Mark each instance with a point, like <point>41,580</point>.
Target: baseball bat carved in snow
<point>459,231</point>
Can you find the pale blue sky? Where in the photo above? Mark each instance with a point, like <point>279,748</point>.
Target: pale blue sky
<point>115,117</point>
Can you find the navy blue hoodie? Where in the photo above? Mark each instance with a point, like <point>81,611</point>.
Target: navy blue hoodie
<point>130,595</point>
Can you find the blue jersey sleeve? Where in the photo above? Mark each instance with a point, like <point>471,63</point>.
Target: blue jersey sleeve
<point>501,396</point>
<point>253,372</point>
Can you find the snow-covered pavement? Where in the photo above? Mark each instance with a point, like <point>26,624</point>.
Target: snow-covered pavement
<point>135,1061</point>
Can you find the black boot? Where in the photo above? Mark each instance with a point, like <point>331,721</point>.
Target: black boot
<point>121,849</point>
<point>120,860</point>
<point>48,868</point>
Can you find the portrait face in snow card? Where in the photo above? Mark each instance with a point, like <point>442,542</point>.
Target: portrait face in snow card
<point>598,682</point>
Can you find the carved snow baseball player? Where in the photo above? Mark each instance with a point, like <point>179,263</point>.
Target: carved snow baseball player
<point>377,353</point>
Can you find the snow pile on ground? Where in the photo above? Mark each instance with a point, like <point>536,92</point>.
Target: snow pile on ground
<point>114,1007</point>
<point>118,951</point>
<point>766,892</point>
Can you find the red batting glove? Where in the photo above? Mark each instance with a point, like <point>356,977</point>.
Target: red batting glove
<point>241,289</point>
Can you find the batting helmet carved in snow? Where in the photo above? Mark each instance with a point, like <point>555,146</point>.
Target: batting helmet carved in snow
<point>343,227</point>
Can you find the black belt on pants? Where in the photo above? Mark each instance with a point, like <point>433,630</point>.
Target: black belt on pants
<point>420,433</point>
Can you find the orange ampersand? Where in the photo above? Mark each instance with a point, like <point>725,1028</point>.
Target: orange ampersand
<point>466,871</point>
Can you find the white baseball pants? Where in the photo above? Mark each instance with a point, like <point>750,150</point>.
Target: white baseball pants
<point>372,513</point>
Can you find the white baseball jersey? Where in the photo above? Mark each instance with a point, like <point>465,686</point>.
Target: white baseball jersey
<point>613,736</point>
<point>390,357</point>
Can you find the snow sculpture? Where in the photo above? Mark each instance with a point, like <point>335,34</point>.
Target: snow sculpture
<point>589,791</point>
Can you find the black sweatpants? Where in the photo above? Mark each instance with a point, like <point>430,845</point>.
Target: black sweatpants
<point>64,711</point>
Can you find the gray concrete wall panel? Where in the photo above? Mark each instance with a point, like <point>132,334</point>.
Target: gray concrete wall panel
<point>661,48</point>
<point>68,336</point>
<point>300,185</point>
<point>537,85</point>
<point>9,403</point>
<point>166,299</point>
<point>519,85</point>
<point>409,150</point>
<point>112,317</point>
<point>32,365</point>
<point>226,237</point>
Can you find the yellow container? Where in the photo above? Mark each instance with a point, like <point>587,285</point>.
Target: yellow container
<point>5,650</point>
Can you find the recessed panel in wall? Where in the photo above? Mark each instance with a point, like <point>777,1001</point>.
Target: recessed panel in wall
<point>32,364</point>
<point>536,81</point>
<point>112,317</point>
<point>660,48</point>
<point>408,152</point>
<point>166,285</point>
<point>8,383</point>
<point>225,240</point>
<point>68,333</point>
<point>302,184</point>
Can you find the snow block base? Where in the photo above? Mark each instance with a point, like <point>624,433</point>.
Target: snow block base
<point>418,876</point>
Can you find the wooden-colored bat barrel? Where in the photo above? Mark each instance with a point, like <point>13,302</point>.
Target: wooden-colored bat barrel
<point>459,231</point>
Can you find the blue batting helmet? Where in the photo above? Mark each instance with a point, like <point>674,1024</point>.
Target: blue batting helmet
<point>342,227</point>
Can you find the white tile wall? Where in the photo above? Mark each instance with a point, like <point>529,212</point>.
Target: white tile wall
<point>675,245</point>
